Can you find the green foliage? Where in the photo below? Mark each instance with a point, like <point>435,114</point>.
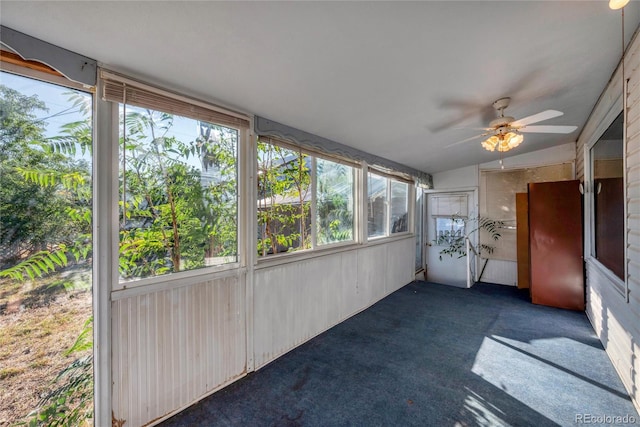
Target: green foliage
<point>334,202</point>
<point>70,402</point>
<point>455,242</point>
<point>45,192</point>
<point>174,215</point>
<point>69,180</point>
<point>45,209</point>
<point>284,200</point>
<point>284,209</point>
<point>37,265</point>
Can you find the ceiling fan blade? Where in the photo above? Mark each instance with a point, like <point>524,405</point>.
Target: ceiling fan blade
<point>545,115</point>
<point>467,140</point>
<point>547,129</point>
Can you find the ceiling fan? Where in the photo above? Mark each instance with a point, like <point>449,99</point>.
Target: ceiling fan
<point>505,132</point>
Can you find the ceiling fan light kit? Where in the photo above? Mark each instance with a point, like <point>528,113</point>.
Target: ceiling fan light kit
<point>502,142</point>
<point>505,132</point>
<point>617,4</point>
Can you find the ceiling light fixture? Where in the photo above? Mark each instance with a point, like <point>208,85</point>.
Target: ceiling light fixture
<point>617,4</point>
<point>503,141</point>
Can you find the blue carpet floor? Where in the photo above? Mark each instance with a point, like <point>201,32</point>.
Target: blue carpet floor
<point>433,355</point>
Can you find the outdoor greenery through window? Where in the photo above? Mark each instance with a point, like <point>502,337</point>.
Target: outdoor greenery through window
<point>335,200</point>
<point>178,193</point>
<point>386,218</point>
<point>46,362</point>
<point>377,212</point>
<point>285,198</point>
<point>399,206</point>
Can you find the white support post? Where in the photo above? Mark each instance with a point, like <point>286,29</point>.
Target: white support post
<point>105,249</point>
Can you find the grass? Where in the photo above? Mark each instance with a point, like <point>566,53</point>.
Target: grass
<point>9,372</point>
<point>39,320</point>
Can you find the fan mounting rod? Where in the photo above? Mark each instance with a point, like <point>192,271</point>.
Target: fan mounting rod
<point>502,120</point>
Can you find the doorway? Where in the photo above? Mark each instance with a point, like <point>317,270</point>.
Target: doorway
<point>446,219</point>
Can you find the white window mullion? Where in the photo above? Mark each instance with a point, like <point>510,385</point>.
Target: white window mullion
<point>105,249</point>
<point>314,210</point>
<point>387,229</point>
<point>363,203</point>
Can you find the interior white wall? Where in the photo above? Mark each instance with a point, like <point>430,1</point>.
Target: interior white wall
<point>559,154</point>
<point>294,302</point>
<point>456,179</point>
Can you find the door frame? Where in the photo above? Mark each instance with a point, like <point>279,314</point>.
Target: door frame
<point>473,209</point>
<point>421,234</point>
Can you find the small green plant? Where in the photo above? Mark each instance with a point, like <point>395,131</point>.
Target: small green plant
<point>454,242</point>
<point>70,403</point>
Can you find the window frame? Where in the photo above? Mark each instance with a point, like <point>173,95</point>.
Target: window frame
<point>13,63</point>
<point>356,169</point>
<point>134,286</point>
<point>620,285</point>
<point>390,178</point>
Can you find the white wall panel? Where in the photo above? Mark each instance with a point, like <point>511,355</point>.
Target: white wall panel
<point>172,347</point>
<point>294,302</point>
<point>399,267</point>
<point>499,271</point>
<point>617,327</point>
<point>615,318</point>
<point>372,274</point>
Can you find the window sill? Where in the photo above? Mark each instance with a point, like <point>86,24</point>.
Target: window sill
<point>391,238</point>
<point>291,257</point>
<point>174,280</point>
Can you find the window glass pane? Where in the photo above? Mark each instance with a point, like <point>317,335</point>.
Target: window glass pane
<point>284,200</point>
<point>178,193</point>
<point>377,205</point>
<point>45,250</point>
<point>399,206</point>
<point>448,230</point>
<point>608,209</point>
<point>334,198</point>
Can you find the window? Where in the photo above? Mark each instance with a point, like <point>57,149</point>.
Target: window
<point>607,169</point>
<point>335,202</point>
<point>399,206</point>
<point>297,190</point>
<point>46,254</point>
<point>284,200</point>
<point>449,229</point>
<point>178,181</point>
<point>377,205</point>
<point>386,218</point>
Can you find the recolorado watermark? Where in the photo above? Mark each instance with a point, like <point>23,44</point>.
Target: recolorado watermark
<point>605,419</point>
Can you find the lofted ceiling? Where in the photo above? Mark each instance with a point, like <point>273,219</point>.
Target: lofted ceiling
<point>401,80</point>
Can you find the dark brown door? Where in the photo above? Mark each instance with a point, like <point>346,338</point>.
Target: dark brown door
<point>555,236</point>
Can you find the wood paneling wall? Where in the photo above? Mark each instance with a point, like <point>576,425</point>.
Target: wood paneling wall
<point>295,302</point>
<point>175,346</point>
<point>172,347</point>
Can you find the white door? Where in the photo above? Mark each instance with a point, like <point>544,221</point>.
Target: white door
<point>441,210</point>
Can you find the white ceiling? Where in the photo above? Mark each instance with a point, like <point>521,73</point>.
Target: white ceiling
<point>401,80</point>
